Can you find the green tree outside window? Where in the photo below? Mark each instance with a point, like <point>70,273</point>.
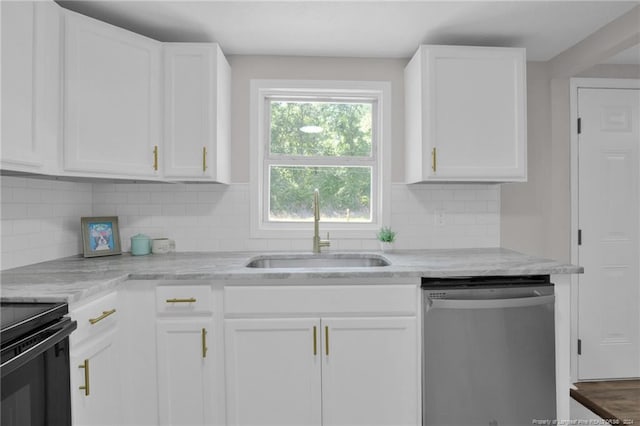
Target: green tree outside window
<point>321,133</point>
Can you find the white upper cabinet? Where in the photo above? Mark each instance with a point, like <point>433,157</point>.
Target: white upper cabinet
<point>112,101</point>
<point>197,103</point>
<point>465,112</point>
<point>30,86</point>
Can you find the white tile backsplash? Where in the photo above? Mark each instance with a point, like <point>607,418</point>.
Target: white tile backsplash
<point>41,218</point>
<point>446,215</point>
<point>216,217</point>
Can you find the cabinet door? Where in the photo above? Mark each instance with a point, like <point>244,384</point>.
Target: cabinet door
<point>273,371</point>
<point>196,111</point>
<point>466,114</point>
<point>370,372</point>
<point>95,383</point>
<point>30,86</point>
<point>185,372</point>
<point>112,100</point>
<point>477,103</point>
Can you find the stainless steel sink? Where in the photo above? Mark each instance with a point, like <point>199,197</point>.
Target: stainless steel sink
<point>332,260</point>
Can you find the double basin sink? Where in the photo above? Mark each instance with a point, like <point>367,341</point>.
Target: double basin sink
<point>324,260</point>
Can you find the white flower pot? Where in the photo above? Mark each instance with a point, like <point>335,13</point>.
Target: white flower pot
<point>384,246</point>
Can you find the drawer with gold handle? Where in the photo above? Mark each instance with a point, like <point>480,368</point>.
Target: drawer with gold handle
<point>178,300</point>
<point>104,315</point>
<point>184,299</point>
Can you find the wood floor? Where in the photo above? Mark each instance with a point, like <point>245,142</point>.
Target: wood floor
<point>616,400</point>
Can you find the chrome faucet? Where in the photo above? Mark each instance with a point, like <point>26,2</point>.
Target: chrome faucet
<point>317,242</point>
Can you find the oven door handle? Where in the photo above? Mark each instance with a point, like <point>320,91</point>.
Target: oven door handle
<point>65,328</point>
<point>491,303</point>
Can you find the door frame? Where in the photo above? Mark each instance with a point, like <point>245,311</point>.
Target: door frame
<point>575,84</point>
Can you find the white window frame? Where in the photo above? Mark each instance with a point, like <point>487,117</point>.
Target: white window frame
<point>264,90</point>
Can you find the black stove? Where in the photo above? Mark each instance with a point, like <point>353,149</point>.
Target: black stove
<point>34,363</point>
<point>23,318</point>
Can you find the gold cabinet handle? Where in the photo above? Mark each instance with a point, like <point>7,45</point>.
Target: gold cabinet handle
<point>315,340</point>
<point>204,158</point>
<point>155,158</point>
<point>101,317</point>
<point>189,300</point>
<point>85,365</point>
<point>326,339</point>
<point>433,160</point>
<point>204,343</point>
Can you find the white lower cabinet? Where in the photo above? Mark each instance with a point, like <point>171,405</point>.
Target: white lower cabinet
<point>273,371</point>
<point>369,371</point>
<point>95,383</point>
<point>202,353</point>
<point>311,371</point>
<point>140,375</point>
<point>96,363</point>
<point>186,354</point>
<point>185,372</point>
<point>321,369</point>
<point>174,371</point>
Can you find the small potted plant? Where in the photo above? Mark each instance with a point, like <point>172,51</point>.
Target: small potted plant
<point>386,236</point>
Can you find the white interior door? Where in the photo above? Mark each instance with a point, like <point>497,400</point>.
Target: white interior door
<point>609,289</point>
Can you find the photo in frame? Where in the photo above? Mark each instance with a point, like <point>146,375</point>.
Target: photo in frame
<point>100,236</point>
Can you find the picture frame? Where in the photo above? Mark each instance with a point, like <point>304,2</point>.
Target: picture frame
<point>100,236</point>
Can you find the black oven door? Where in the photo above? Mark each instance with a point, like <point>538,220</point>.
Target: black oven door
<point>35,378</point>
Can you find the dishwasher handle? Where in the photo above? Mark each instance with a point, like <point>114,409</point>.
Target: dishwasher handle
<point>490,303</point>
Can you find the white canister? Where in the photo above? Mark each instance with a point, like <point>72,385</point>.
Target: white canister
<point>162,246</point>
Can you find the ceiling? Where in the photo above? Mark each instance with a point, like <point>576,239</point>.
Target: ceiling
<point>360,28</point>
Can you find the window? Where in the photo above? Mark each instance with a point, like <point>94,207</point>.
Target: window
<point>323,144</point>
<point>318,135</point>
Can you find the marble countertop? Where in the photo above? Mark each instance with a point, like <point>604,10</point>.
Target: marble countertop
<point>75,278</point>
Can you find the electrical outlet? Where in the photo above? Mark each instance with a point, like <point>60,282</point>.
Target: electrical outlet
<point>440,217</point>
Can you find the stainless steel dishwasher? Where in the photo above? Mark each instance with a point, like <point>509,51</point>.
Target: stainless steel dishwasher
<point>488,351</point>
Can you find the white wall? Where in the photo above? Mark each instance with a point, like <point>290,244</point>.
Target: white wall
<point>536,216</point>
<point>524,209</point>
<point>40,219</point>
<point>611,71</point>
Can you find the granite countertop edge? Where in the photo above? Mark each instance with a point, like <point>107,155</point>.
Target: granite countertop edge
<point>75,279</point>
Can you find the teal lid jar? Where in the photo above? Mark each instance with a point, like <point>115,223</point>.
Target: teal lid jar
<point>140,245</point>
